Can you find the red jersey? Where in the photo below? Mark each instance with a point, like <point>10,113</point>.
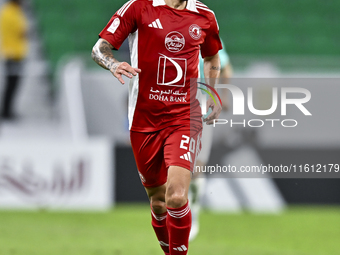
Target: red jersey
<point>165,44</point>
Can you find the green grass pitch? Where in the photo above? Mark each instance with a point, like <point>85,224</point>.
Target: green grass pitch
<point>127,230</point>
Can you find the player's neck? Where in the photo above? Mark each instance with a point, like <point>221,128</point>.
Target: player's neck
<point>177,4</point>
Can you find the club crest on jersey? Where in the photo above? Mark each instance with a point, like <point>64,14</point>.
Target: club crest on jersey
<point>114,25</point>
<point>195,31</point>
<point>174,41</point>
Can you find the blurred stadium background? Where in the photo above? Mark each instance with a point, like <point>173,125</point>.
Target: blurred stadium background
<point>69,149</point>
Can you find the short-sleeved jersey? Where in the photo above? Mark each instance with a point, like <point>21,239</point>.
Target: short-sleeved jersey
<point>165,44</point>
<point>224,59</point>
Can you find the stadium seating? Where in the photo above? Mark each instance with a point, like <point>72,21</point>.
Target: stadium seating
<point>71,27</point>
<point>276,27</point>
<point>262,27</point>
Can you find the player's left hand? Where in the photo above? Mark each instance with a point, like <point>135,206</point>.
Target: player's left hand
<point>216,110</point>
<point>122,68</point>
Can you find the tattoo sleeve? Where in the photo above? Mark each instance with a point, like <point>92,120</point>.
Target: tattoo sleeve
<point>102,55</point>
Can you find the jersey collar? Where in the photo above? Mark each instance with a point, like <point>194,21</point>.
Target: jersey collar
<point>191,6</point>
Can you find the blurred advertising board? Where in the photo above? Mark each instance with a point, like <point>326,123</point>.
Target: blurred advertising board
<point>59,175</point>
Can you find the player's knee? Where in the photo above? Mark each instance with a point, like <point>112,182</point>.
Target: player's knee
<point>176,200</point>
<point>158,206</point>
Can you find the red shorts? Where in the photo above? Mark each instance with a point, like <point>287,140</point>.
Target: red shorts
<point>155,151</point>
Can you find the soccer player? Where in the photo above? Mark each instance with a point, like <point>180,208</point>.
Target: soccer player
<point>198,181</point>
<point>165,120</point>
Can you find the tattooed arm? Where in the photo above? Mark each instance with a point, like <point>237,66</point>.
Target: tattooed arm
<point>212,68</point>
<point>103,56</point>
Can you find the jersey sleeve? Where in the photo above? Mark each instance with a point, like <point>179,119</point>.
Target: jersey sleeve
<point>121,24</point>
<point>212,43</point>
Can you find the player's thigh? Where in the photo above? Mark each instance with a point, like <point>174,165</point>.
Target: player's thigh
<point>148,151</point>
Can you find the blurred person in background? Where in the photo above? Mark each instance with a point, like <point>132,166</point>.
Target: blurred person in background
<point>165,37</point>
<point>197,185</point>
<point>13,48</point>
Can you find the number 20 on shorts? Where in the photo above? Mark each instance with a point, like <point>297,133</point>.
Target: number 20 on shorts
<point>188,141</point>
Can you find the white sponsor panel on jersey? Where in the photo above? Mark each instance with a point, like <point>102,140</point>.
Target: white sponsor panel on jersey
<point>56,175</point>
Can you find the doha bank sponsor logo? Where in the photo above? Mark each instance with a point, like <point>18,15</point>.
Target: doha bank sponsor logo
<point>241,100</point>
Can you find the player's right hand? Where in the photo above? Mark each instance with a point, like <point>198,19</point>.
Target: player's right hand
<point>122,68</point>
